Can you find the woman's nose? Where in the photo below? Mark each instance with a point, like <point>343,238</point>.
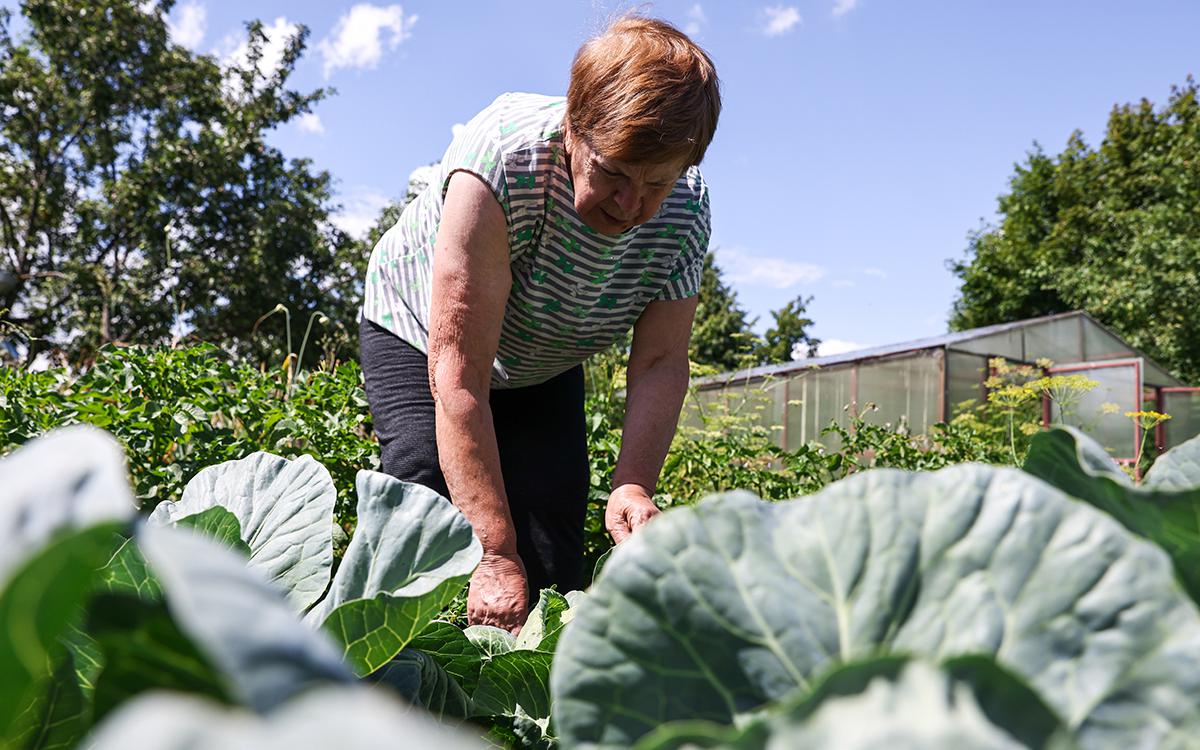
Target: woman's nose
<point>628,200</point>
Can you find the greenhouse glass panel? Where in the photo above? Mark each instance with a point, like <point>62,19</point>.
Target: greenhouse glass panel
<point>1183,405</point>
<point>744,405</point>
<point>798,431</point>
<point>1006,344</point>
<point>906,389</point>
<point>1059,341</point>
<point>965,374</point>
<point>1100,344</point>
<point>826,394</point>
<point>1117,387</point>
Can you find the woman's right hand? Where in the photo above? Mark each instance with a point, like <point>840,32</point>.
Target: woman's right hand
<point>498,593</point>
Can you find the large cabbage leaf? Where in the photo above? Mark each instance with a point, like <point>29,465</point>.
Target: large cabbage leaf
<point>345,718</point>
<point>412,551</point>
<point>238,619</point>
<point>285,509</point>
<point>1165,508</point>
<point>889,703</point>
<point>63,497</point>
<point>714,611</point>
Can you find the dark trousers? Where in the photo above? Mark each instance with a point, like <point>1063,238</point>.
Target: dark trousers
<point>542,439</point>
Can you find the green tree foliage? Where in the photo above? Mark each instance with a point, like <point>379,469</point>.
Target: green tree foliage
<point>138,193</point>
<point>790,332</point>
<point>1112,230</point>
<point>721,336</point>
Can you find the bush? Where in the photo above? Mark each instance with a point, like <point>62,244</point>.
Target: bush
<point>177,411</point>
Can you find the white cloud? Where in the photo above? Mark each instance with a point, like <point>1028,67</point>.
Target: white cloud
<point>310,122</point>
<point>842,7</point>
<point>876,272</point>
<point>277,36</point>
<point>356,39</point>
<point>187,24</point>
<point>696,20</point>
<point>359,211</point>
<point>830,347</point>
<point>780,19</point>
<point>741,267</point>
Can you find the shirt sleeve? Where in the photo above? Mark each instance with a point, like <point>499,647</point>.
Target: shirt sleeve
<point>684,280</point>
<point>476,149</point>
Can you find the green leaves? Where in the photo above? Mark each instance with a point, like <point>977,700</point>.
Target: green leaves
<point>345,717</point>
<point>411,553</point>
<point>1108,229</point>
<point>714,611</point>
<point>61,501</point>
<point>1164,509</point>
<point>238,619</point>
<point>285,511</point>
<point>876,703</point>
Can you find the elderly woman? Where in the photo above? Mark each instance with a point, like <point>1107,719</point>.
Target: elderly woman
<point>553,226</point>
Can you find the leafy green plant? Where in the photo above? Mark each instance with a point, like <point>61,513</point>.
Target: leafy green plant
<point>177,411</point>
<point>1164,508</point>
<point>207,597</point>
<point>722,610</point>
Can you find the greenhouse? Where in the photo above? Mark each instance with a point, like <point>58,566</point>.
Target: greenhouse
<point>927,381</point>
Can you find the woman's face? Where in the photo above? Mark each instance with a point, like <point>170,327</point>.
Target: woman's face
<point>614,196</point>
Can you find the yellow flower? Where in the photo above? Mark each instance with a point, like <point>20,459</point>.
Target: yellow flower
<point>1148,419</point>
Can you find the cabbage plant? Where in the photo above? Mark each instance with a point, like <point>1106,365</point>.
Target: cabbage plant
<point>1164,508</point>
<point>722,611</point>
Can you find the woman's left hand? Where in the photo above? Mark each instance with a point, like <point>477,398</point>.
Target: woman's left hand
<point>629,508</point>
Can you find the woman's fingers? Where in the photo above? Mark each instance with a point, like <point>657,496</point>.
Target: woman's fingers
<point>497,595</point>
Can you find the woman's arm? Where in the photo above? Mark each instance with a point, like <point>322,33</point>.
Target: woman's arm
<point>471,281</point>
<point>657,382</point>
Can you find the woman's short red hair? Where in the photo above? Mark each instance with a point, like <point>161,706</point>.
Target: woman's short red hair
<point>644,92</point>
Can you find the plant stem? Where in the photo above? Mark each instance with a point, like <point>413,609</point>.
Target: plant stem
<point>303,343</point>
<point>1012,440</point>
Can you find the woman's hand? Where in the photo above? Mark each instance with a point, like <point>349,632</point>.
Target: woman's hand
<point>497,595</point>
<point>629,508</point>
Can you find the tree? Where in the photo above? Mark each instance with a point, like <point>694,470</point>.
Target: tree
<point>137,192</point>
<point>721,335</point>
<point>1112,230</point>
<point>783,342</point>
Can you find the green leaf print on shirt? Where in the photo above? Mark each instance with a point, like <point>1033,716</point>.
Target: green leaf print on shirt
<point>537,275</point>
<point>552,306</point>
<point>645,279</point>
<point>562,262</point>
<point>668,231</point>
<point>526,180</point>
<point>599,277</point>
<point>692,205</point>
<point>572,245</point>
<point>607,301</point>
<point>508,128</point>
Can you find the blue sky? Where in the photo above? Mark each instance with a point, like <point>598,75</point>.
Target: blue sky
<point>861,140</point>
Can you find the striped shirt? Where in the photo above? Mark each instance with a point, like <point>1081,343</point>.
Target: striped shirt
<point>574,291</point>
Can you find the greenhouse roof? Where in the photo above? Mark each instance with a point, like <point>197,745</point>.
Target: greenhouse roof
<point>968,341</point>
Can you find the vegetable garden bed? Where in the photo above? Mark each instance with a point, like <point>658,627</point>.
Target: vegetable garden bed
<point>987,601</point>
